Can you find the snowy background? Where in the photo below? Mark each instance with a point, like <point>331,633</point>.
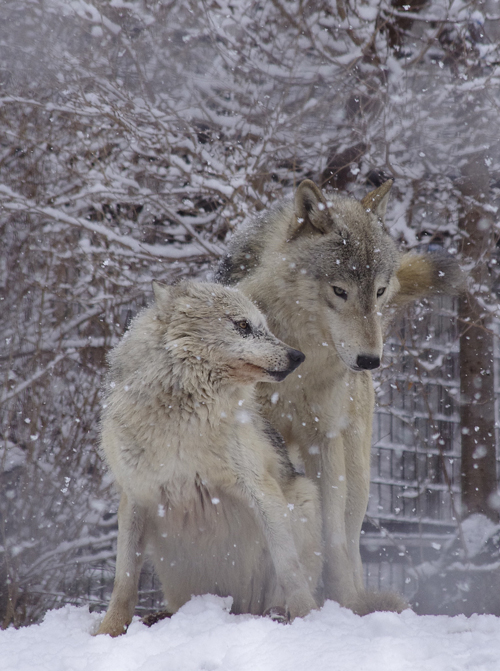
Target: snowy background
<point>134,137</point>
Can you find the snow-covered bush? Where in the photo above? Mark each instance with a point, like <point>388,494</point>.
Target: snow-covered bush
<point>135,137</point>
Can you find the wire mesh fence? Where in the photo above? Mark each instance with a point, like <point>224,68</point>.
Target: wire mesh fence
<point>415,501</point>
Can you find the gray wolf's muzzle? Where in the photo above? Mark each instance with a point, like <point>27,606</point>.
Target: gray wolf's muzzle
<point>295,358</point>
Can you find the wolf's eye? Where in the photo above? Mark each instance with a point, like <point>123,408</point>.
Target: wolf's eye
<point>341,293</point>
<point>381,291</point>
<point>243,326</point>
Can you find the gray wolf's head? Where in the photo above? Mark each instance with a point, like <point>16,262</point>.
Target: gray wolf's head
<point>218,328</point>
<point>342,244</point>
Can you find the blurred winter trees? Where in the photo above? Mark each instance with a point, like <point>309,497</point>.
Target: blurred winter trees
<point>136,134</point>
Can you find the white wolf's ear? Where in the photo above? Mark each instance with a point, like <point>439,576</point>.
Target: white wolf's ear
<point>162,292</point>
<point>311,210</point>
<point>376,201</point>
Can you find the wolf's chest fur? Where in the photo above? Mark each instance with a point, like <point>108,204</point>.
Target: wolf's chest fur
<point>168,463</point>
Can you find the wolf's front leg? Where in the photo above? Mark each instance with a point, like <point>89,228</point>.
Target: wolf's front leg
<point>357,444</point>
<point>275,517</point>
<point>129,560</point>
<point>340,583</point>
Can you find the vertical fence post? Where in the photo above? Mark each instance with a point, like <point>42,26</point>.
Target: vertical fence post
<point>477,384</point>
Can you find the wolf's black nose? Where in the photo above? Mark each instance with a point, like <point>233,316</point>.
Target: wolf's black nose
<point>296,357</point>
<point>367,362</point>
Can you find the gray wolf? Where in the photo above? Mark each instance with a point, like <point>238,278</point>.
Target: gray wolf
<point>328,276</point>
<point>207,488</point>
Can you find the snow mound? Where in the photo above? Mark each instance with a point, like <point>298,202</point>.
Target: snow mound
<point>204,636</point>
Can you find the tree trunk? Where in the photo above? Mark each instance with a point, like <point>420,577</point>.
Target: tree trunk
<point>477,392</point>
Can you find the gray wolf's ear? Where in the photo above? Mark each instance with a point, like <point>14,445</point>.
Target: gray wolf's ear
<point>162,292</point>
<point>311,210</point>
<point>376,201</point>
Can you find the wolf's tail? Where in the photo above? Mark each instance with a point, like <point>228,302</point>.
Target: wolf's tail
<point>424,275</point>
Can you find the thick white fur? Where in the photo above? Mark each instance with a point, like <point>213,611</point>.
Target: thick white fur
<point>207,490</point>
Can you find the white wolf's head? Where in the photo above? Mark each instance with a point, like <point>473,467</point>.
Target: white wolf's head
<point>217,328</point>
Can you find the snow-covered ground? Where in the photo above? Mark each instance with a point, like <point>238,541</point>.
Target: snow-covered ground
<point>203,636</point>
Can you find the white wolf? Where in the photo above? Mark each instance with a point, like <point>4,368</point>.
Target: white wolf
<point>207,488</point>
<point>326,273</point>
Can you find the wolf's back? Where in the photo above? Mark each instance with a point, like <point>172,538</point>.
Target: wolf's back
<point>245,250</point>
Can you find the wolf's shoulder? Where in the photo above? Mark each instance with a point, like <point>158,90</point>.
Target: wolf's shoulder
<point>245,249</point>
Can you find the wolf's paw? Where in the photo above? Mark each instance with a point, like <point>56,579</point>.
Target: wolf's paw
<point>371,602</point>
<point>113,625</point>
<point>300,604</point>
<point>153,618</point>
<point>278,614</point>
